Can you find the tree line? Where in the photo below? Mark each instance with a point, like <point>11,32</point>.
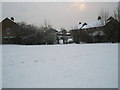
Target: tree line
<point>31,35</point>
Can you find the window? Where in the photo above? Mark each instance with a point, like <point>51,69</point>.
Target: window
<point>8,30</point>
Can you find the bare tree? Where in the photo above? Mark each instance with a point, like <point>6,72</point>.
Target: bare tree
<point>116,14</point>
<point>104,14</point>
<point>47,24</point>
<point>64,36</point>
<point>119,11</point>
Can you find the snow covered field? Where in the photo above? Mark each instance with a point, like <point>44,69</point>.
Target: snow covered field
<point>60,66</point>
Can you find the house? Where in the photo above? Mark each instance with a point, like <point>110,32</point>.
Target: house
<point>86,33</point>
<point>96,31</point>
<point>8,31</point>
<point>111,30</point>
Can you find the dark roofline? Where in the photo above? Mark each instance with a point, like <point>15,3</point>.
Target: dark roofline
<point>86,28</point>
<point>9,20</point>
<point>112,18</point>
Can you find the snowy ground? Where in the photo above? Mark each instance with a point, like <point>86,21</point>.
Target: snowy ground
<point>60,66</point>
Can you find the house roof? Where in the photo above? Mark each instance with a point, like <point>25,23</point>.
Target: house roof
<point>92,24</point>
<point>111,19</point>
<point>8,20</point>
<point>8,23</point>
<point>96,23</point>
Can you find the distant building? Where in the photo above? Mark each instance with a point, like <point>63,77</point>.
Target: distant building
<point>96,32</point>
<point>111,30</point>
<point>7,30</point>
<point>64,37</point>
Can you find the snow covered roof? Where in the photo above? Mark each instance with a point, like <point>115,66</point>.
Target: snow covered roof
<point>93,24</point>
<point>97,23</point>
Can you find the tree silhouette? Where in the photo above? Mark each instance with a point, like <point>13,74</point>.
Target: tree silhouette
<point>104,14</point>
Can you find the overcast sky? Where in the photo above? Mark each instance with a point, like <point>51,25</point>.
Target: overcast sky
<point>58,14</point>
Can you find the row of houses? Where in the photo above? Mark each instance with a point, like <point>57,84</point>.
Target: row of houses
<point>97,32</point>
<point>89,33</point>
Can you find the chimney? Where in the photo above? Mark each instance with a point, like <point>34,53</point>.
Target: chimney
<point>12,18</point>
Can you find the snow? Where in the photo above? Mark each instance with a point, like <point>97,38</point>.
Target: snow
<point>96,23</point>
<point>60,66</point>
<point>92,24</point>
<point>61,41</point>
<point>70,40</point>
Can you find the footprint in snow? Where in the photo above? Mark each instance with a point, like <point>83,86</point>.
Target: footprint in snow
<point>22,62</point>
<point>36,60</point>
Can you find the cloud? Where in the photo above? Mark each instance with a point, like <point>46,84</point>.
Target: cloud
<point>79,5</point>
<point>59,14</point>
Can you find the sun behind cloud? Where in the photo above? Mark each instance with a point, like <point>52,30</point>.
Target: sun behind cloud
<point>82,6</point>
<point>79,5</point>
